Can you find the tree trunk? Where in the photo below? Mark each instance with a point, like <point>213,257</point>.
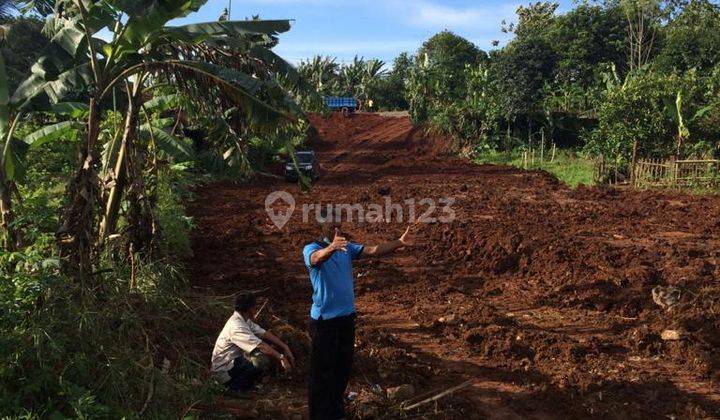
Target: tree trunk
<point>6,216</point>
<point>140,218</point>
<point>75,236</point>
<point>507,136</point>
<point>678,154</point>
<point>112,206</point>
<point>10,236</point>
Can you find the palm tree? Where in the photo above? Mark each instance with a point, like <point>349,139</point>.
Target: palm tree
<point>321,72</point>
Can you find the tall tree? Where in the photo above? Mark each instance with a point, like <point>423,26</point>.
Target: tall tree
<point>692,39</point>
<point>392,93</point>
<point>585,39</point>
<point>449,54</point>
<point>643,20</point>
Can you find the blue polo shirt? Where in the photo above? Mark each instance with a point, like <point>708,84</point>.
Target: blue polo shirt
<point>332,281</point>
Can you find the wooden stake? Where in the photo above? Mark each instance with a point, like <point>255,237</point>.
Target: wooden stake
<point>257,314</point>
<point>632,163</point>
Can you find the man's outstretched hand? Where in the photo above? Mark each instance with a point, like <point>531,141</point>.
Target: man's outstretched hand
<point>339,242</point>
<point>407,238</point>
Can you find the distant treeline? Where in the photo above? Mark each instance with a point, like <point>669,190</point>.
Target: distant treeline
<point>607,77</point>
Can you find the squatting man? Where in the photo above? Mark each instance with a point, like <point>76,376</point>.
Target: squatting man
<point>243,348</point>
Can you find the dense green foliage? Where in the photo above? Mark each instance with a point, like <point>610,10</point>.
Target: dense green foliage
<point>367,80</point>
<point>19,55</point>
<point>101,140</point>
<point>588,78</point>
<point>112,350</point>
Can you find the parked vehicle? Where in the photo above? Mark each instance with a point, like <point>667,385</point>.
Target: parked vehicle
<point>346,104</point>
<point>306,164</point>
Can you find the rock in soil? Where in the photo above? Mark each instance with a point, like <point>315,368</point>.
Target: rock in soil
<point>401,393</point>
<point>671,335</point>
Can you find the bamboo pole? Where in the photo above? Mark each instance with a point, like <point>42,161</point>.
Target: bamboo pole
<point>633,162</point>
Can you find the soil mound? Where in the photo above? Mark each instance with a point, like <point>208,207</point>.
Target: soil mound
<point>541,294</point>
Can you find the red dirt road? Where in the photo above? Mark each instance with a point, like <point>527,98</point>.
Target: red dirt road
<point>540,294</point>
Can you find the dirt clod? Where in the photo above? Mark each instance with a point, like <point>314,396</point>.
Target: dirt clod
<point>671,335</point>
<point>400,393</point>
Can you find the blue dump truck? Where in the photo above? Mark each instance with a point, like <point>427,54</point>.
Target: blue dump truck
<point>346,104</point>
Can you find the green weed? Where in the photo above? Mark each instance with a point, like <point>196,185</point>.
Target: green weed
<point>568,166</point>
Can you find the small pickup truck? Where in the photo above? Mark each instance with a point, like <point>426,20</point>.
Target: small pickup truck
<point>346,104</point>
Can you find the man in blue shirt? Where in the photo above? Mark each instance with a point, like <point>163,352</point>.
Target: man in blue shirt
<point>332,316</point>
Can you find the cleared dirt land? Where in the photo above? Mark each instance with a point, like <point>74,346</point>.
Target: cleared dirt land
<point>540,294</point>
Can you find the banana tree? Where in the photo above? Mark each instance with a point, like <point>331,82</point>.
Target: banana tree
<point>8,123</point>
<point>373,72</point>
<point>321,72</point>
<point>321,77</point>
<point>142,47</point>
<point>674,111</point>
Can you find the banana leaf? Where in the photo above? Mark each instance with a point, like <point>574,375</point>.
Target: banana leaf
<point>15,160</point>
<point>72,109</point>
<point>52,132</point>
<point>41,93</point>
<point>180,149</point>
<point>206,30</point>
<point>162,103</point>
<point>146,17</point>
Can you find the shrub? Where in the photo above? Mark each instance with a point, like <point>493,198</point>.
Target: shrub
<point>634,111</point>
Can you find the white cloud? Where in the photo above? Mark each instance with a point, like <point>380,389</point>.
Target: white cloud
<point>303,2</point>
<point>344,51</point>
<point>435,15</point>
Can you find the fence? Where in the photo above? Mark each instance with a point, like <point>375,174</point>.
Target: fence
<point>605,172</point>
<point>676,173</point>
<point>661,173</point>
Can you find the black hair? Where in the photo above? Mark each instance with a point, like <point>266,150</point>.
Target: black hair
<point>245,301</point>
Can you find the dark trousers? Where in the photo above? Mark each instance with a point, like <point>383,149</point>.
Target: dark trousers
<point>246,371</point>
<point>333,341</point>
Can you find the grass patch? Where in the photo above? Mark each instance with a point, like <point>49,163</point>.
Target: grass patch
<point>570,167</point>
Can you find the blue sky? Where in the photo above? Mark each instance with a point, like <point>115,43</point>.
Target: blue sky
<point>373,29</point>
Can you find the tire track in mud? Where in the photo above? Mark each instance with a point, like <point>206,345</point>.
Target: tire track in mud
<point>547,289</point>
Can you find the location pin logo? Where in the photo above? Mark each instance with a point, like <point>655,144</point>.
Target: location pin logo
<point>279,206</point>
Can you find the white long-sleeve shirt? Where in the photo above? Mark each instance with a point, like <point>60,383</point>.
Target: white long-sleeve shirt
<point>238,336</point>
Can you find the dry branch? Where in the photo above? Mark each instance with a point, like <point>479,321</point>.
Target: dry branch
<point>440,395</point>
